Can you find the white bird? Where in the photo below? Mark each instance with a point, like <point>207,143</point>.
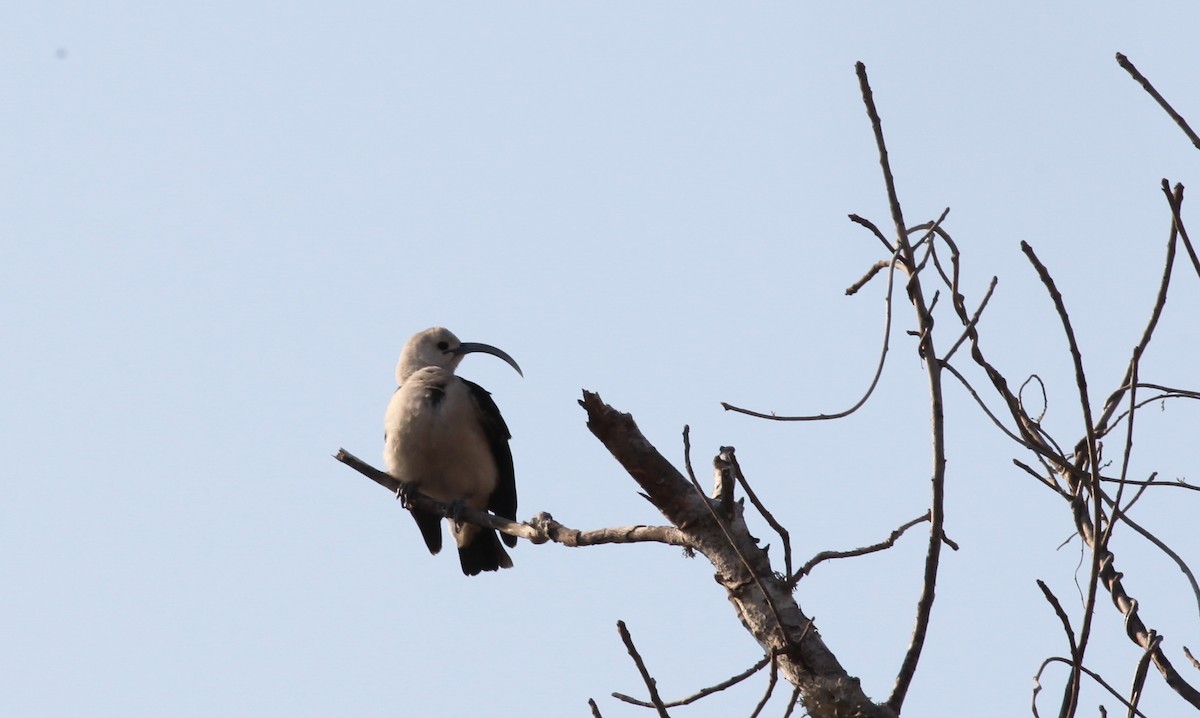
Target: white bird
<point>444,436</point>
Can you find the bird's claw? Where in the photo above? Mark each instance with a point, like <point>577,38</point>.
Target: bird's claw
<point>404,494</point>
<point>455,513</point>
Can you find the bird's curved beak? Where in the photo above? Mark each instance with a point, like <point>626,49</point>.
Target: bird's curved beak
<point>472,347</point>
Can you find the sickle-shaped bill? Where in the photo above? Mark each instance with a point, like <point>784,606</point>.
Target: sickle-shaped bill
<point>471,347</point>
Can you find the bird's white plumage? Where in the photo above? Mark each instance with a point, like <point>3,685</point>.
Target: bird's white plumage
<point>432,347</point>
<point>435,441</point>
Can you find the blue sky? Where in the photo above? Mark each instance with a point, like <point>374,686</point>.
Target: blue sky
<point>221,221</point>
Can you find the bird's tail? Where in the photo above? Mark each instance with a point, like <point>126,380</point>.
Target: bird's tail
<point>483,553</point>
<point>431,529</point>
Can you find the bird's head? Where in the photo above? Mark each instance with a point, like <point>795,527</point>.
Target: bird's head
<point>437,346</point>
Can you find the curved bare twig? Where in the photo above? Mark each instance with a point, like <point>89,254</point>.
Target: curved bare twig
<point>887,335</point>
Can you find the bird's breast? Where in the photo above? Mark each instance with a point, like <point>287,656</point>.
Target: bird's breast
<point>434,439</point>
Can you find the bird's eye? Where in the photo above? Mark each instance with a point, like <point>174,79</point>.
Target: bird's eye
<point>443,346</point>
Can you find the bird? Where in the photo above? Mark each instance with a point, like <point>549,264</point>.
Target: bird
<point>444,436</point>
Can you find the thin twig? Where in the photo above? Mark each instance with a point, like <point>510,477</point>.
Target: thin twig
<point>1170,553</point>
<point>1125,456</point>
<point>874,230</point>
<point>1178,483</point>
<point>792,703</point>
<point>862,281</point>
<point>595,709</point>
<point>723,525</point>
<point>882,545</point>
<point>887,334</point>
<point>925,349</point>
<point>1139,674</point>
<point>1190,657</point>
<point>974,320</point>
<point>727,453</point>
<point>651,684</point>
<point>1070,697</point>
<point>1160,301</point>
<point>1037,686</point>
<point>1175,201</point>
<point>703,692</point>
<point>770,689</point>
<point>1162,102</point>
<point>1091,458</point>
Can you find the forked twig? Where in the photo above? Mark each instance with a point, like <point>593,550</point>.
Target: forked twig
<point>1037,685</point>
<point>651,684</point>
<point>703,692</point>
<point>1175,200</point>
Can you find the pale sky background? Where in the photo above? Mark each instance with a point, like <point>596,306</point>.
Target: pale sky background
<point>221,221</point>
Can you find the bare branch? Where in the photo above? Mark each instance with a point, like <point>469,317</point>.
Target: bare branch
<point>1071,696</point>
<point>651,684</point>
<point>974,320</point>
<point>763,601</point>
<point>595,709</point>
<point>874,230</point>
<point>887,334</point>
<point>1175,200</point>
<point>1037,686</point>
<point>882,545</point>
<point>767,695</point>
<point>1190,657</point>
<point>540,529</point>
<point>1086,455</point>
<point>1139,674</point>
<point>1162,102</point>
<point>1179,483</point>
<point>925,349</point>
<point>704,692</point>
<point>792,703</point>
<point>862,281</point>
<point>1160,301</point>
<point>728,454</point>
<point>1170,553</point>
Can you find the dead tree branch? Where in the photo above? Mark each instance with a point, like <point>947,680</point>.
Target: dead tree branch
<point>762,599</point>
<point>1037,685</point>
<point>882,545</point>
<point>703,692</point>
<point>539,529</point>
<point>1086,456</point>
<point>1162,102</point>
<point>933,369</point>
<point>887,335</point>
<point>651,684</point>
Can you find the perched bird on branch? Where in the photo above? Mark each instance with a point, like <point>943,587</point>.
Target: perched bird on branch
<point>444,437</point>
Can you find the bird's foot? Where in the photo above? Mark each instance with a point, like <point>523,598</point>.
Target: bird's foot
<point>404,494</point>
<point>455,513</point>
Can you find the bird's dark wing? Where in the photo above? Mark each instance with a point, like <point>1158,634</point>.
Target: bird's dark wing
<point>503,501</point>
